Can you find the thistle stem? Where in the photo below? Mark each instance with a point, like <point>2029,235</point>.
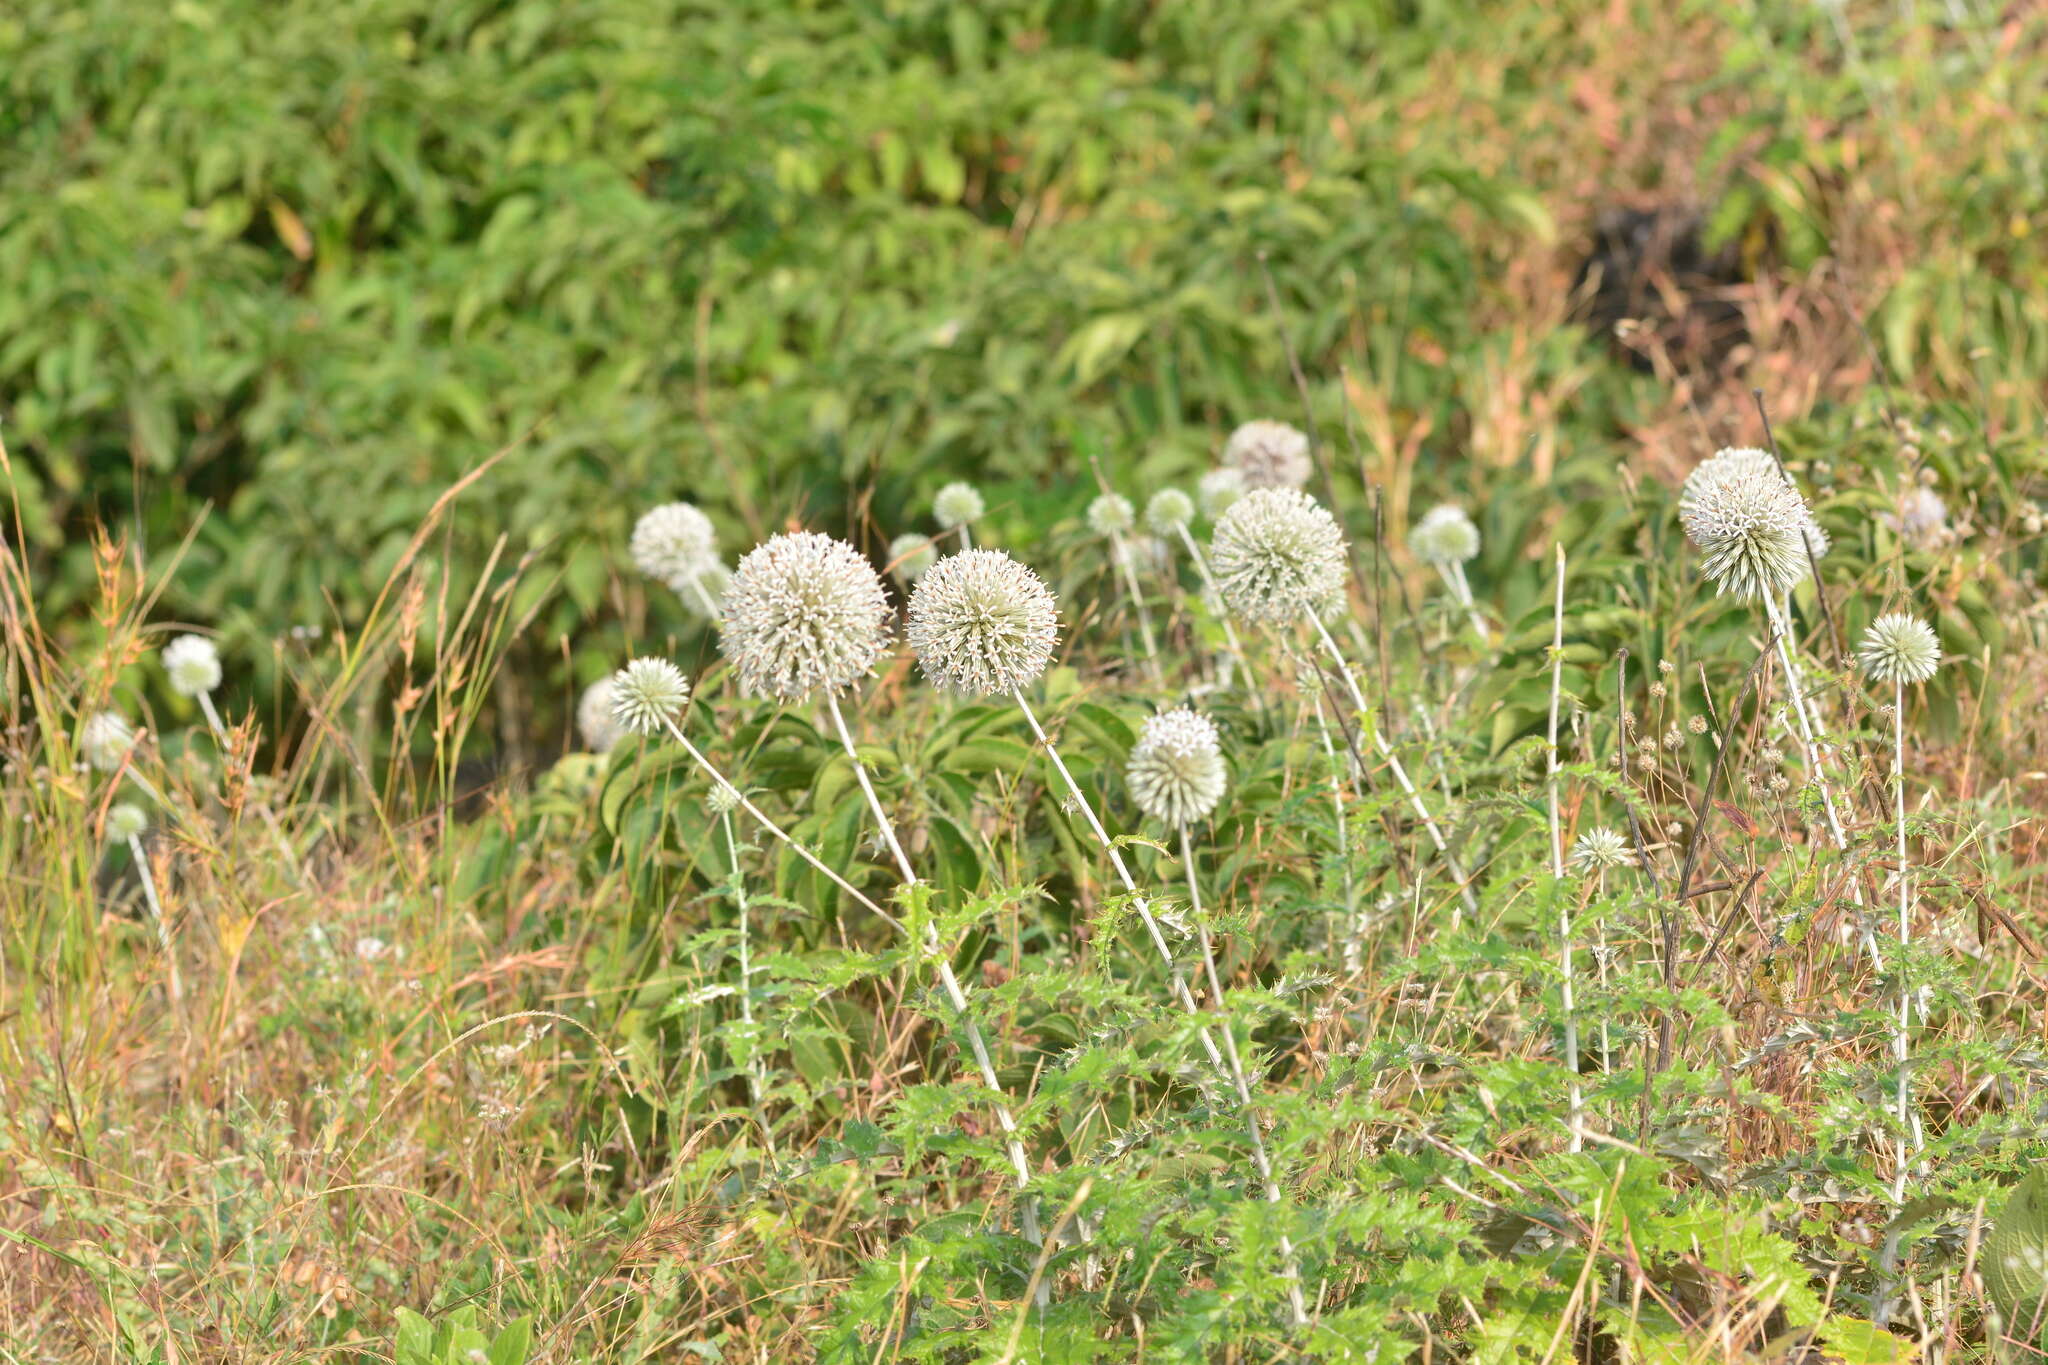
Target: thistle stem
<point>756,1073</point>
<point>1576,1122</point>
<point>1354,925</point>
<point>156,912</point>
<point>1901,1042</point>
<point>1120,552</point>
<point>1214,600</point>
<point>1454,577</point>
<point>704,596</point>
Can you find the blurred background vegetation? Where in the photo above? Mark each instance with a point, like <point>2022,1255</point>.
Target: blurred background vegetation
<point>276,277</point>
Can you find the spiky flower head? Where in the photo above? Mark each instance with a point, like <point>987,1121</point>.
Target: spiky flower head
<point>1731,462</point>
<point>1749,524</point>
<point>105,740</point>
<point>1900,648</point>
<point>594,719</point>
<point>646,694</point>
<point>1599,849</point>
<point>1276,554</point>
<point>957,504</point>
<point>1111,515</point>
<point>804,613</point>
<point>1176,769</point>
<point>126,821</point>
<point>1218,489</point>
<point>721,800</point>
<point>703,593</point>
<point>910,556</point>
<point>1922,518</point>
<point>1168,510</point>
<point>1269,455</point>
<point>1445,536</point>
<point>981,623</point>
<point>193,663</point>
<point>673,542</point>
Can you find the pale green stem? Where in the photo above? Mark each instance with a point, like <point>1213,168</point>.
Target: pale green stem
<point>156,912</point>
<point>1122,555</point>
<point>1354,928</point>
<point>756,1070</point>
<point>1214,599</point>
<point>1577,1118</point>
<point>1901,1043</point>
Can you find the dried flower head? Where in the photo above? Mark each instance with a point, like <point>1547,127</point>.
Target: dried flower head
<point>1277,554</point>
<point>105,740</point>
<point>1445,536</point>
<point>1168,510</point>
<point>1111,515</point>
<point>1749,524</point>
<point>193,663</point>
<point>1900,648</point>
<point>1269,455</point>
<point>646,694</point>
<point>1599,849</point>
<point>957,504</point>
<point>910,555</point>
<point>980,623</point>
<point>1218,489</point>
<point>1176,769</point>
<point>594,719</point>
<point>804,612</point>
<point>673,542</point>
<point>126,821</point>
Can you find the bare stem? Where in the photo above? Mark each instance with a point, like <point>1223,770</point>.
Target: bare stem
<point>1121,553</point>
<point>1577,1119</point>
<point>156,912</point>
<point>756,1073</point>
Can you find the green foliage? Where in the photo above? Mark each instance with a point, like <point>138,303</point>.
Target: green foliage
<point>457,1340</point>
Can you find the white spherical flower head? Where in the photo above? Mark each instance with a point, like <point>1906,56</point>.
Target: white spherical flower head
<point>958,504</point>
<point>1900,648</point>
<point>594,719</point>
<point>1750,527</point>
<point>126,821</point>
<point>1922,519</point>
<point>105,740</point>
<point>1445,536</point>
<point>1176,770</point>
<point>1168,511</point>
<point>674,541</point>
<point>1111,515</point>
<point>703,593</point>
<point>193,663</point>
<point>981,623</point>
<point>804,613</point>
<point>911,556</point>
<point>1599,849</point>
<point>721,800</point>
<point>1269,455</point>
<point>1218,489</point>
<point>646,694</point>
<point>1746,462</point>
<point>1277,554</point>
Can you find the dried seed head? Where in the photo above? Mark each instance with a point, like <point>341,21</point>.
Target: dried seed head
<point>1276,554</point>
<point>1749,524</point>
<point>594,719</point>
<point>957,504</point>
<point>646,693</point>
<point>125,821</point>
<point>105,740</point>
<point>1599,849</point>
<point>1900,648</point>
<point>1218,489</point>
<point>805,612</point>
<point>910,555</point>
<point>193,663</point>
<point>1269,455</point>
<point>1168,511</point>
<point>673,542</point>
<point>1444,536</point>
<point>1176,769</point>
<point>980,623</point>
<point>1111,515</point>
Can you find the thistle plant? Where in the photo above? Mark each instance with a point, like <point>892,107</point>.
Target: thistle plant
<point>1218,489</point>
<point>703,593</point>
<point>1269,455</point>
<point>1898,649</point>
<point>594,719</point>
<point>676,545</point>
<point>1445,539</point>
<point>1278,556</point>
<point>1593,854</point>
<point>1168,513</point>
<point>722,806</point>
<point>1577,1116</point>
<point>910,555</point>
<point>192,662</point>
<point>1112,517</point>
<point>956,508</point>
<point>126,824</point>
<point>105,739</point>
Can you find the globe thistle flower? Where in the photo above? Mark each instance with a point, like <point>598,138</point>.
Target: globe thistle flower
<point>1922,519</point>
<point>957,504</point>
<point>721,801</point>
<point>1900,648</point>
<point>126,821</point>
<point>1111,515</point>
<point>1218,489</point>
<point>674,542</point>
<point>703,593</point>
<point>193,664</point>
<point>646,694</point>
<point>1743,462</point>
<point>594,719</point>
<point>1749,524</point>
<point>1269,455</point>
<point>1444,536</point>
<point>980,623</point>
<point>911,556</point>
<point>1168,511</point>
<point>805,612</point>
<point>105,740</point>
<point>1599,849</point>
<point>1278,553</point>
<point>1176,768</point>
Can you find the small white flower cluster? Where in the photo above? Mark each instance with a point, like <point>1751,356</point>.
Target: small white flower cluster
<point>1269,455</point>
<point>1445,536</point>
<point>1900,648</point>
<point>193,664</point>
<point>981,624</point>
<point>1176,769</point>
<point>1751,527</point>
<point>676,545</point>
<point>805,613</point>
<point>1278,554</point>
